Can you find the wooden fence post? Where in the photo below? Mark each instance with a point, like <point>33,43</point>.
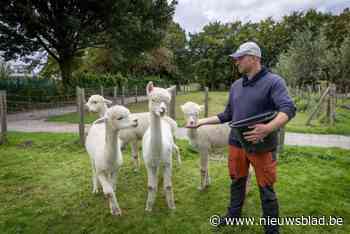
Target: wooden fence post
<point>136,94</point>
<point>123,95</point>
<point>115,92</point>
<point>281,137</point>
<point>318,106</point>
<point>206,101</point>
<point>80,107</point>
<point>332,104</point>
<point>3,116</point>
<point>101,90</point>
<point>172,108</point>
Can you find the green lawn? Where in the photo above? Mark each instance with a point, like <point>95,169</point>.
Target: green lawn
<point>46,188</point>
<point>217,102</point>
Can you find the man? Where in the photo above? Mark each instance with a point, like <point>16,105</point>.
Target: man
<point>258,91</point>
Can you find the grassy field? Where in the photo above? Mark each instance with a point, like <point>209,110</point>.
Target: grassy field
<point>217,102</point>
<point>46,188</point>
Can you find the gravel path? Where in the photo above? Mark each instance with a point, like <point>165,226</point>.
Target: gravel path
<point>291,138</point>
<point>35,121</point>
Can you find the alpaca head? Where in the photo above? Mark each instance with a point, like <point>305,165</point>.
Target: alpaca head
<point>97,103</point>
<point>159,99</point>
<point>191,111</point>
<point>117,118</point>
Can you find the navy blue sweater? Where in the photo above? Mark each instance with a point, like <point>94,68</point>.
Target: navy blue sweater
<point>249,97</point>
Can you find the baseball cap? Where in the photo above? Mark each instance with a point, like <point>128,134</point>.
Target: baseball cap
<point>247,48</point>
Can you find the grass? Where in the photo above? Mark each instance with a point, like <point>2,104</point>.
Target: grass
<point>217,102</point>
<point>46,188</point>
<point>342,124</point>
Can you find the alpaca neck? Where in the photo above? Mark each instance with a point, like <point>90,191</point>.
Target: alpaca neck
<point>103,111</point>
<point>156,135</point>
<point>192,134</point>
<point>112,144</point>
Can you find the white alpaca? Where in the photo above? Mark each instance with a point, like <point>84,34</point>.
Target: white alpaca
<point>102,144</point>
<point>157,146</point>
<point>205,139</point>
<point>98,104</point>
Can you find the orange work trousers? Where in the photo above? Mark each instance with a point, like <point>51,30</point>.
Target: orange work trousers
<point>264,165</point>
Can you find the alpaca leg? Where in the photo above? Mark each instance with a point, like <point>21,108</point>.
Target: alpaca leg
<point>177,152</point>
<point>152,186</point>
<point>113,179</point>
<point>168,188</point>
<point>135,154</point>
<point>107,186</point>
<point>95,182</point>
<point>204,161</point>
<point>249,179</point>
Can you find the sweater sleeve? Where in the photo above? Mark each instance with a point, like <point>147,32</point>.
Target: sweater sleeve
<point>281,98</point>
<point>226,116</point>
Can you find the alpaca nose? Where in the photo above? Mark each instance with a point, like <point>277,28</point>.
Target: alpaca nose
<point>192,122</point>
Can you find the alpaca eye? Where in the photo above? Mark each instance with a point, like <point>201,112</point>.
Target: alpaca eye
<point>120,118</point>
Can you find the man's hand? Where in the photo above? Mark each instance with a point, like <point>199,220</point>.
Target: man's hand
<point>259,132</point>
<point>192,125</point>
<point>205,121</point>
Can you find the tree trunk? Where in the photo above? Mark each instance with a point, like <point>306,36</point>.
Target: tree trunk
<point>66,67</point>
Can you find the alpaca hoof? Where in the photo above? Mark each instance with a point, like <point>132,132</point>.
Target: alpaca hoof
<point>172,207</point>
<point>116,211</point>
<point>95,191</point>
<point>148,209</point>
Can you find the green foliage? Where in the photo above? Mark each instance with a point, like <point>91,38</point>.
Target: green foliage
<point>301,64</point>
<point>64,28</point>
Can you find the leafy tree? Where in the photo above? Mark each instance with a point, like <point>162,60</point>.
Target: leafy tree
<point>138,26</point>
<point>301,64</point>
<point>64,28</point>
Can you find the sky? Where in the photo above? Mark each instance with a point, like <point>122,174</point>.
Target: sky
<point>192,15</point>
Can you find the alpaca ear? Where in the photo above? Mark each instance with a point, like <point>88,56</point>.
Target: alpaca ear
<point>201,107</point>
<point>149,88</point>
<point>170,90</point>
<point>100,120</point>
<point>108,102</point>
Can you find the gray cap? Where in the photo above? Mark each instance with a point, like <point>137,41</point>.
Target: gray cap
<point>247,48</point>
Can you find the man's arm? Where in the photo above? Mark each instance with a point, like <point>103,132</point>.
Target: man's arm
<point>284,105</point>
<point>223,117</point>
<point>262,130</point>
<point>278,122</point>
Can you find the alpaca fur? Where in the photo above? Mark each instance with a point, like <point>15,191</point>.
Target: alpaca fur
<point>205,139</point>
<point>157,146</point>
<point>98,104</point>
<point>102,145</point>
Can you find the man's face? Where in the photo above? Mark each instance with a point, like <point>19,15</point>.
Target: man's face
<point>244,63</point>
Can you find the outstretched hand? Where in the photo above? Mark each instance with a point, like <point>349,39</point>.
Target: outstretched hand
<point>196,125</point>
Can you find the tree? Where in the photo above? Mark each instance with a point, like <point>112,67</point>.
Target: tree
<point>60,27</point>
<point>301,63</point>
<point>138,26</point>
<point>64,28</point>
